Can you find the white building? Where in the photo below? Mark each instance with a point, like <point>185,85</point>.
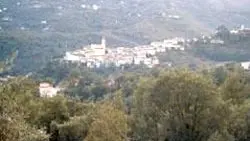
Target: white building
<point>217,42</point>
<point>89,64</point>
<point>155,61</point>
<point>7,19</point>
<point>97,64</point>
<point>242,27</point>
<point>47,90</point>
<point>171,41</point>
<point>150,50</point>
<point>195,40</point>
<point>156,44</point>
<point>169,44</point>
<point>240,30</point>
<point>43,22</point>
<point>245,65</point>
<point>71,57</point>
<point>83,6</point>
<point>175,47</point>
<point>174,17</point>
<point>161,49</point>
<point>139,59</point>
<point>234,31</point>
<point>95,7</point>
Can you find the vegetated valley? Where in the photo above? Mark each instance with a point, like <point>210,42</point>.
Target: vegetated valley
<point>198,91</point>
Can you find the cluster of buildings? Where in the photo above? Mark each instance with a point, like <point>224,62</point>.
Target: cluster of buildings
<point>169,44</point>
<point>241,30</point>
<point>98,55</point>
<point>245,65</point>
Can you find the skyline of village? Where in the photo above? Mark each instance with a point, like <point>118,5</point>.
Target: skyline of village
<point>98,55</point>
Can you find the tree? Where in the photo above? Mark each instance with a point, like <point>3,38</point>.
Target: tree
<point>109,123</point>
<point>52,109</point>
<point>219,74</point>
<point>8,63</point>
<point>89,85</point>
<point>178,107</point>
<point>15,97</point>
<point>16,129</point>
<point>127,83</point>
<point>145,118</point>
<point>221,136</point>
<point>75,129</point>
<point>235,93</point>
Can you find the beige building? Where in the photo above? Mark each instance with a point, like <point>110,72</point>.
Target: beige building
<point>47,90</point>
<point>99,49</point>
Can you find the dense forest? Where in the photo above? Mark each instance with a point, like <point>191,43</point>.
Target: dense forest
<point>161,105</point>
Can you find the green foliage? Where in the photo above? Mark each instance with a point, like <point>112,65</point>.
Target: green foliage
<point>180,103</point>
<point>173,105</point>
<point>8,45</point>
<point>235,47</point>
<point>86,85</point>
<point>16,97</point>
<point>185,106</point>
<point>144,116</point>
<point>18,130</point>
<point>54,109</point>
<point>235,93</point>
<point>127,83</point>
<point>218,53</point>
<point>55,71</point>
<point>7,64</point>
<point>109,124</point>
<point>223,136</point>
<point>75,129</point>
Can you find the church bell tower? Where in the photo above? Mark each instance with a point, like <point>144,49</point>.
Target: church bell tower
<point>104,42</point>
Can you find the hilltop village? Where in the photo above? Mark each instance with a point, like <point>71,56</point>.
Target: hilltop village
<point>98,55</point>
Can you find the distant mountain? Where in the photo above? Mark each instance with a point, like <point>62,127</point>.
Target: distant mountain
<point>141,20</point>
<point>47,28</point>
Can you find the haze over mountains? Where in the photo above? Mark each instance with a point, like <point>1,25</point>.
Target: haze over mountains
<point>130,20</point>
<point>46,28</point>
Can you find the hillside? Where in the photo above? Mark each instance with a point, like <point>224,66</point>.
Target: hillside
<point>46,29</point>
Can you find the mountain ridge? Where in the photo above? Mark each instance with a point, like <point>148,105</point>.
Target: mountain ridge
<point>49,28</point>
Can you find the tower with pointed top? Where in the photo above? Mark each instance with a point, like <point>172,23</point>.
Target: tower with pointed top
<point>103,45</point>
<point>104,42</point>
<point>242,27</point>
<point>99,49</point>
